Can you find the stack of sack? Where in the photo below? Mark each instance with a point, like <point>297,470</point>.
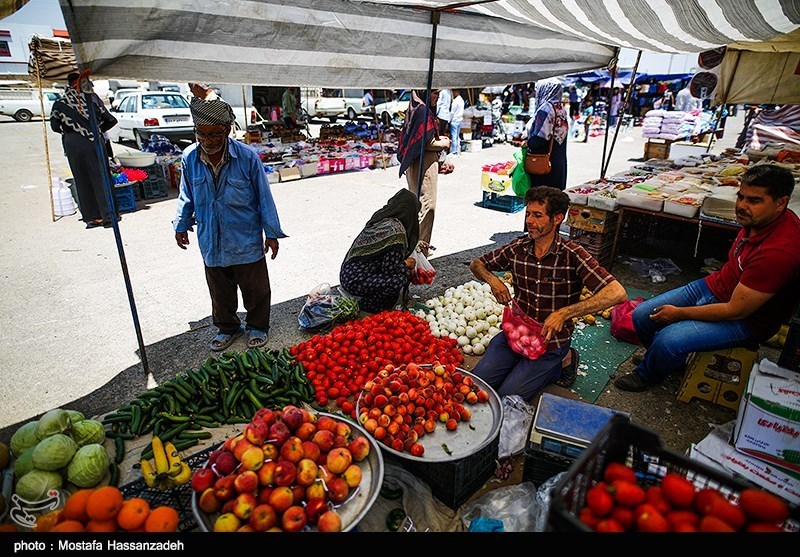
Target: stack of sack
<point>651,125</point>
<point>671,125</point>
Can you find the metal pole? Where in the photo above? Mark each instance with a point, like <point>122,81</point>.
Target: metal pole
<point>608,114</point>
<point>105,172</point>
<point>620,116</point>
<point>44,132</point>
<point>244,108</point>
<point>435,16</point>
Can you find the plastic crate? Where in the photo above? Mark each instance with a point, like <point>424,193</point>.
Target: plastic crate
<point>594,242</point>
<point>126,199</point>
<point>179,498</point>
<point>790,353</point>
<point>541,465</point>
<point>505,203</point>
<point>454,482</point>
<point>155,185</point>
<point>623,441</point>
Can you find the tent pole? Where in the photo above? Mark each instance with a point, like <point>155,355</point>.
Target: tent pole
<point>102,158</point>
<point>624,108</point>
<point>46,144</point>
<point>435,16</point>
<point>244,108</point>
<point>608,113</point>
<point>378,126</point>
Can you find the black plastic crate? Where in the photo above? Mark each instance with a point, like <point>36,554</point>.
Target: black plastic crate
<point>179,498</point>
<point>505,203</point>
<point>790,353</point>
<point>541,465</point>
<point>454,482</point>
<point>155,185</point>
<point>623,441</point>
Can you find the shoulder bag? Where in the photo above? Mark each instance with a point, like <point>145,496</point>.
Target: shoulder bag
<point>539,163</point>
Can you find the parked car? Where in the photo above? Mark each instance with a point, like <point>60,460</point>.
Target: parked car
<point>353,101</point>
<point>316,104</point>
<point>116,97</point>
<point>23,104</point>
<point>388,111</point>
<point>145,113</point>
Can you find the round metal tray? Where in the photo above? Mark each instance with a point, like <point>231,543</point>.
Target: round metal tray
<point>358,502</point>
<point>463,442</point>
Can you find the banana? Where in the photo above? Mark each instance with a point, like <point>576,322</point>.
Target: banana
<point>148,473</point>
<point>160,456</point>
<point>185,475</point>
<point>173,459</point>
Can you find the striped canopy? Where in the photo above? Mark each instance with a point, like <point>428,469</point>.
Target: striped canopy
<point>323,43</point>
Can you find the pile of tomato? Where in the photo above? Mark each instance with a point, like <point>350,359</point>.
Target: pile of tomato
<point>340,362</point>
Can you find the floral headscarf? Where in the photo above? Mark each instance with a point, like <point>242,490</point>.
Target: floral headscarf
<point>550,117</point>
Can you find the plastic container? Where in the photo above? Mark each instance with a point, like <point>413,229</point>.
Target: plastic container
<point>505,203</point>
<point>628,198</point>
<point>623,441</point>
<point>602,202</point>
<point>63,202</point>
<point>126,200</point>
<point>681,209</point>
<point>137,160</point>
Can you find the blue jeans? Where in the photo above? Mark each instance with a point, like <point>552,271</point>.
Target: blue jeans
<point>669,345</point>
<point>509,373</point>
<point>455,138</point>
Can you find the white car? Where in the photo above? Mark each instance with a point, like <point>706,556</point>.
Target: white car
<point>389,111</point>
<point>24,104</point>
<point>115,98</point>
<point>145,113</point>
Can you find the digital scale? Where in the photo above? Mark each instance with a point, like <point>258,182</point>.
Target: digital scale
<point>564,426</point>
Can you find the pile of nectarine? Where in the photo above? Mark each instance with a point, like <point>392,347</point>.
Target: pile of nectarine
<point>288,469</point>
<point>401,404</point>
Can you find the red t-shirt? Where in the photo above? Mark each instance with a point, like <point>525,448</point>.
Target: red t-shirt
<point>768,262</point>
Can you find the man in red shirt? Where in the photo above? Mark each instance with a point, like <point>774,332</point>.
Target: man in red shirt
<point>747,300</point>
<point>549,274</point>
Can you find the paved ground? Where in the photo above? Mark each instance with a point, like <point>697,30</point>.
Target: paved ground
<point>66,332</point>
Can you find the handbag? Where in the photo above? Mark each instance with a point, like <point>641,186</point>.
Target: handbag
<point>539,163</point>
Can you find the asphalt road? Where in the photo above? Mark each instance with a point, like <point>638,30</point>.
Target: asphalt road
<point>66,330</point>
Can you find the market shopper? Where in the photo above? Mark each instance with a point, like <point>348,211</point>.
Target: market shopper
<point>549,274</point>
<point>69,116</point>
<point>574,103</point>
<point>686,102</point>
<point>616,103</point>
<point>420,133</point>
<point>224,191</point>
<point>747,300</point>
<point>588,115</point>
<point>443,102</point>
<point>456,117</point>
<point>377,267</point>
<point>289,108</point>
<point>549,133</point>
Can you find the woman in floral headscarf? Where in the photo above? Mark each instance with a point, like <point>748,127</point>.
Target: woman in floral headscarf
<point>550,122</point>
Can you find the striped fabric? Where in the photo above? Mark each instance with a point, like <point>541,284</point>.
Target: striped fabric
<point>327,43</point>
<point>650,25</point>
<point>774,126</point>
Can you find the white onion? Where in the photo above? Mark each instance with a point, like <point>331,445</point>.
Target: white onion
<point>478,349</point>
<point>462,341</point>
<point>460,330</point>
<point>471,332</point>
<point>469,349</point>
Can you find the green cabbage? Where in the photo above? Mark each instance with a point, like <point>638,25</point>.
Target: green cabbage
<point>87,432</point>
<point>54,421</point>
<point>24,438</point>
<point>35,485</point>
<point>88,466</point>
<point>54,452</point>
<point>75,416</point>
<point>23,463</point>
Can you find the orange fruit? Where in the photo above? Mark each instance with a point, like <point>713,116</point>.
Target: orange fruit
<point>133,514</point>
<point>104,503</point>
<point>102,526</point>
<point>45,522</point>
<point>8,528</point>
<point>75,507</point>
<point>68,526</point>
<point>162,519</point>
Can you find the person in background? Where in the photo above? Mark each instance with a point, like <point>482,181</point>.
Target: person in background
<point>686,102</point>
<point>668,100</point>
<point>550,127</point>
<point>224,191</point>
<point>69,116</point>
<point>745,301</point>
<point>456,117</point>
<point>616,102</point>
<point>588,115</point>
<point>377,267</point>
<point>202,91</point>
<point>549,274</point>
<point>444,100</point>
<point>289,108</point>
<point>419,133</point>
<point>574,103</point>
<point>368,103</point>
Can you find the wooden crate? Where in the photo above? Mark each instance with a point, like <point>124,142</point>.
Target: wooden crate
<point>656,149</point>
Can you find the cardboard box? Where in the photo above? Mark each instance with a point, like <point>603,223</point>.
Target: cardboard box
<point>768,422</point>
<point>656,149</point>
<point>308,169</point>
<point>591,219</point>
<point>496,183</point>
<point>719,376</point>
<point>474,145</point>
<point>289,174</point>
<point>273,177</point>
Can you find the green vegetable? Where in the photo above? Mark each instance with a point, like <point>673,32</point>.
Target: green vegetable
<point>54,452</point>
<point>446,449</point>
<point>54,421</point>
<point>24,438</point>
<point>36,484</point>
<point>75,416</point>
<point>23,463</point>
<point>87,432</point>
<point>394,519</point>
<point>88,466</point>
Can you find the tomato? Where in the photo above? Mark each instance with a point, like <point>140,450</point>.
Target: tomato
<point>599,500</point>
<point>678,490</point>
<point>608,525</point>
<point>627,493</point>
<point>683,517</point>
<point>761,506</point>
<point>714,524</point>
<point>650,521</point>
<point>727,511</point>
<point>624,516</point>
<point>704,498</point>
<point>619,471</point>
<point>655,496</point>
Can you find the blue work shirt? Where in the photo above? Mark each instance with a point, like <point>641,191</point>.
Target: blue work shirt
<point>231,217</point>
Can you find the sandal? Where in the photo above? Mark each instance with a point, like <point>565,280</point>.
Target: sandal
<point>570,372</point>
<point>256,338</point>
<point>223,340</point>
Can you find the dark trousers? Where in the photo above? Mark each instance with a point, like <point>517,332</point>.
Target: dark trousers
<point>87,172</point>
<point>253,280</point>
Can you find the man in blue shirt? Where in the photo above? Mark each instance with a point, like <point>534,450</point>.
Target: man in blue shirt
<point>225,191</point>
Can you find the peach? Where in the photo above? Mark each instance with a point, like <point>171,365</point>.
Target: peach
<point>292,450</point>
<point>344,430</point>
<point>246,528</point>
<point>472,397</point>
<point>203,479</point>
<point>359,448</point>
<point>384,420</point>
<point>311,450</point>
<point>279,433</point>
<point>225,464</point>
<point>299,493</point>
<point>285,473</point>
<point>339,441</point>
<point>306,472</point>
<point>266,415</point>
<point>240,447</point>
<point>244,504</point>
<point>266,474</point>
<point>281,498</point>
<point>256,432</point>
<point>263,518</point>
<point>371,424</point>
<point>314,509</point>
<point>292,417</point>
<point>326,423</point>
<point>338,460</point>
<point>305,431</point>
<point>246,482</point>
<point>270,451</point>
<point>227,522</point>
<point>374,413</point>
<point>208,501</point>
<point>352,475</point>
<point>323,438</point>
<point>263,494</point>
<point>293,519</point>
<point>224,488</point>
<point>252,458</point>
<point>309,417</point>
<point>329,521</point>
<point>337,490</point>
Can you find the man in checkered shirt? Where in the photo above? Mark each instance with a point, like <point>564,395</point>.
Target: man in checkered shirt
<point>548,276</point>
